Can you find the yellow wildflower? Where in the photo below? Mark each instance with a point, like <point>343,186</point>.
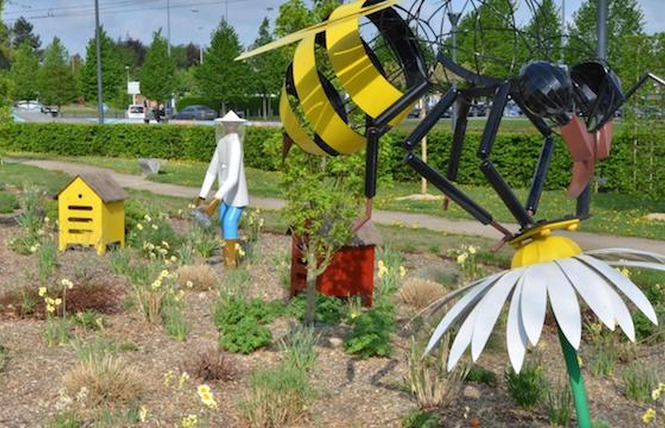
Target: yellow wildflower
<point>655,394</point>
<point>154,226</point>
<point>189,421</point>
<point>147,218</point>
<point>139,226</point>
<point>402,271</point>
<point>203,389</point>
<point>461,259</point>
<point>46,219</point>
<point>42,291</point>
<point>156,285</point>
<point>50,308</point>
<point>164,274</point>
<point>472,249</point>
<point>33,249</point>
<point>58,301</point>
<point>168,378</point>
<point>189,284</point>
<point>383,269</point>
<point>67,283</point>
<point>648,416</point>
<point>165,244</point>
<point>174,259</point>
<point>143,413</point>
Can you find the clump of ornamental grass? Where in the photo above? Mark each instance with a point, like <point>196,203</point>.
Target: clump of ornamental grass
<point>199,277</point>
<point>419,292</point>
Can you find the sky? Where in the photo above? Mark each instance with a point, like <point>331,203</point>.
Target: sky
<point>73,21</point>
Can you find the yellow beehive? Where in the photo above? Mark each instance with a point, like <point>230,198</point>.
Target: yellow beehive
<point>91,211</point>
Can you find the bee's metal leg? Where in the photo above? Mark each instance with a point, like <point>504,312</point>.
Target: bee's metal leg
<point>458,142</point>
<point>539,175</point>
<point>431,119</point>
<point>487,167</point>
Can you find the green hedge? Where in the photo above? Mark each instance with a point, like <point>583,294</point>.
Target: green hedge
<point>637,163</point>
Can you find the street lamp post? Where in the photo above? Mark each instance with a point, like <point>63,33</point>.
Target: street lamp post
<point>98,51</point>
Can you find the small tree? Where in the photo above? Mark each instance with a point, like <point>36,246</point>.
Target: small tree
<point>322,202</point>
<point>56,80</point>
<point>24,73</point>
<point>113,72</point>
<point>158,79</point>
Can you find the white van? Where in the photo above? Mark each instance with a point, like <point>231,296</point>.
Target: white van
<point>135,111</point>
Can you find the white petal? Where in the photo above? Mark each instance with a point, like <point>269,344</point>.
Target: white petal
<point>516,335</point>
<point>625,285</point>
<point>469,300</point>
<point>490,308</point>
<point>627,253</point>
<point>622,315</point>
<point>462,340</point>
<point>534,301</point>
<point>592,287</point>
<point>644,265</point>
<point>564,304</point>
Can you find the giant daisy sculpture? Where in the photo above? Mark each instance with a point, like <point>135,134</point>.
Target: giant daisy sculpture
<point>548,268</point>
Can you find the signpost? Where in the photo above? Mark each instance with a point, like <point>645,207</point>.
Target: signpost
<point>133,89</point>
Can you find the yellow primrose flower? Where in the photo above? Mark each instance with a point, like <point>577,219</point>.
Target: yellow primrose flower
<point>143,413</point>
<point>174,259</point>
<point>402,271</point>
<point>49,301</point>
<point>139,226</point>
<point>58,301</point>
<point>67,283</point>
<point>147,218</point>
<point>461,259</point>
<point>46,219</point>
<point>625,272</point>
<point>155,285</point>
<point>189,421</point>
<point>472,249</point>
<point>164,274</point>
<point>191,206</point>
<point>168,378</point>
<point>42,291</point>
<point>189,284</point>
<point>655,394</point>
<point>203,389</point>
<point>661,387</point>
<point>33,249</point>
<point>155,227</point>
<point>50,308</point>
<point>648,416</point>
<point>165,244</point>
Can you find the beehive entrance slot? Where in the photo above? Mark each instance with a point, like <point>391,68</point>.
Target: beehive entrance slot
<point>80,208</point>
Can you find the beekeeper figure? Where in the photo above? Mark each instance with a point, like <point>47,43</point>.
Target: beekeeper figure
<point>228,168</point>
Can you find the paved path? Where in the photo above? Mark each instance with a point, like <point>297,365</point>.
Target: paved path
<point>588,241</point>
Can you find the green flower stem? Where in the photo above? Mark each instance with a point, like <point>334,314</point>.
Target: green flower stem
<point>576,382</point>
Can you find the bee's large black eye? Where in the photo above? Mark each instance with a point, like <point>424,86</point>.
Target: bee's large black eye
<point>546,89</point>
<point>597,92</point>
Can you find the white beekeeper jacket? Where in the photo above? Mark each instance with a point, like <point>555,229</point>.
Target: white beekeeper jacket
<point>227,166</point>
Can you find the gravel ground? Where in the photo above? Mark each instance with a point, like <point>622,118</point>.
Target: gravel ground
<point>351,392</point>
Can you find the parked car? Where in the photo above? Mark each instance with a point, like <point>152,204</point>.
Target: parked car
<point>135,111</point>
<point>195,112</point>
<point>29,105</point>
<point>52,110</point>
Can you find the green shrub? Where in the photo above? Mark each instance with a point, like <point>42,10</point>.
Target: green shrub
<point>528,386</point>
<point>90,320</point>
<point>8,202</point>
<point>638,382</point>
<point>242,323</point>
<point>480,374</point>
<point>329,309</point>
<point>371,332</point>
<point>422,419</point>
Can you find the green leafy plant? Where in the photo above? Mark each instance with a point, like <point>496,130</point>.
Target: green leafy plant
<point>528,386</point>
<point>371,332</point>
<point>47,259</point>
<point>8,202</point>
<point>173,318</point>
<point>90,320</point>
<point>480,374</point>
<point>329,309</point>
<point>422,419</point>
<point>638,382</point>
<point>242,323</point>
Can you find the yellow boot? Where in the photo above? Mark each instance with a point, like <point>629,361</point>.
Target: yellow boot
<point>231,253</point>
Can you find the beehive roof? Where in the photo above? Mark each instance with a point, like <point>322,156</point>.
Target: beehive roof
<point>103,185</point>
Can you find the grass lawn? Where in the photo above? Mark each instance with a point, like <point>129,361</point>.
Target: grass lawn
<point>612,213</point>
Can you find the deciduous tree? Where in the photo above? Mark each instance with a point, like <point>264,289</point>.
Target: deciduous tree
<point>23,73</point>
<point>158,79</point>
<point>56,80</point>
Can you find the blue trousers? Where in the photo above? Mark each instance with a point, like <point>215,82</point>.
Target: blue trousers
<point>229,218</point>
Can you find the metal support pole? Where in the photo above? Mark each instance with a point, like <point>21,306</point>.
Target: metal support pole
<point>563,31</point>
<point>168,26</point>
<point>454,19</point>
<point>584,200</point>
<point>98,51</point>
